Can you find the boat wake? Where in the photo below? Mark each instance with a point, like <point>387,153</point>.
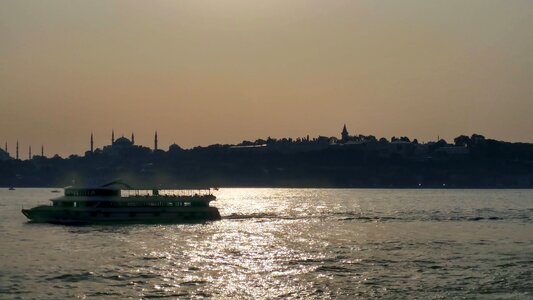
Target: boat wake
<point>488,215</point>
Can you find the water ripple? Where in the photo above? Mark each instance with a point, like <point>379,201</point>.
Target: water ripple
<point>286,244</point>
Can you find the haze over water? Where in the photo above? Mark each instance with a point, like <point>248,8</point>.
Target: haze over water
<point>284,243</point>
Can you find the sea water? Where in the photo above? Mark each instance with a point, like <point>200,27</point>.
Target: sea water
<point>283,244</point>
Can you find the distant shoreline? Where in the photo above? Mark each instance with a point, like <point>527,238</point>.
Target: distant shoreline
<point>357,162</point>
<point>315,187</point>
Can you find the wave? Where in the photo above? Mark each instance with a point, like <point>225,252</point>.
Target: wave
<point>74,277</point>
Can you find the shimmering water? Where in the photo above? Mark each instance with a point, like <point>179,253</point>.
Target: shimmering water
<point>284,243</point>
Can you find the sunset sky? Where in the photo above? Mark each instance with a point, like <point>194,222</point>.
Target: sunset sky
<point>204,72</point>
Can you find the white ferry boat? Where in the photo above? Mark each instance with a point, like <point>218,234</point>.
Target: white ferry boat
<point>111,204</point>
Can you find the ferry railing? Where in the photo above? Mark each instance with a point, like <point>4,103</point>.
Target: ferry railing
<point>166,192</point>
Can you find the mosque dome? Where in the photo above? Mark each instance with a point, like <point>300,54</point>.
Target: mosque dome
<point>122,141</point>
<point>174,147</point>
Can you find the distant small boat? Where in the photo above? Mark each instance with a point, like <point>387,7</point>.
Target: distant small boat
<point>11,188</point>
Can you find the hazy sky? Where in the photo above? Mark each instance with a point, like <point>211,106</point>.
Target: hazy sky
<point>205,72</point>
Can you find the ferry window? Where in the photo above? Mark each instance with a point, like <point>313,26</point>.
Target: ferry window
<point>74,204</point>
<point>186,203</point>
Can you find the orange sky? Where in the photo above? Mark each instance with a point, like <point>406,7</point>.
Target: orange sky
<point>205,72</point>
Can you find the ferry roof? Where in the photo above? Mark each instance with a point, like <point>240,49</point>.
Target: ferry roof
<point>120,185</point>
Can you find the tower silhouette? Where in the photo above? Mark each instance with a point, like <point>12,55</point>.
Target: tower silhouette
<point>155,141</point>
<point>92,143</point>
<point>29,152</point>
<point>132,138</point>
<point>344,134</point>
<point>112,137</point>
<point>17,155</point>
<point>5,148</point>
<point>42,150</point>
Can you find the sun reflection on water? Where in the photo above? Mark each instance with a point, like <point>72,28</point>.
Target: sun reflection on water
<point>238,257</point>
<point>286,243</point>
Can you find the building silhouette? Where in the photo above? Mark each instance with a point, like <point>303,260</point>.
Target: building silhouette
<point>122,146</point>
<point>4,155</point>
<point>345,136</point>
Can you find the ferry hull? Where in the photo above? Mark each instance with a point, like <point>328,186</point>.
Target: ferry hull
<point>50,214</point>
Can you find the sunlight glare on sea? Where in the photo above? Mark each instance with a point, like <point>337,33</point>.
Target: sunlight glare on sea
<point>283,243</point>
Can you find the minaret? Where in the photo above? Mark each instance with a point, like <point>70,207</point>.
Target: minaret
<point>155,141</point>
<point>17,149</point>
<point>112,137</point>
<point>29,152</point>
<point>132,138</point>
<point>5,148</point>
<point>42,150</point>
<point>92,143</point>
